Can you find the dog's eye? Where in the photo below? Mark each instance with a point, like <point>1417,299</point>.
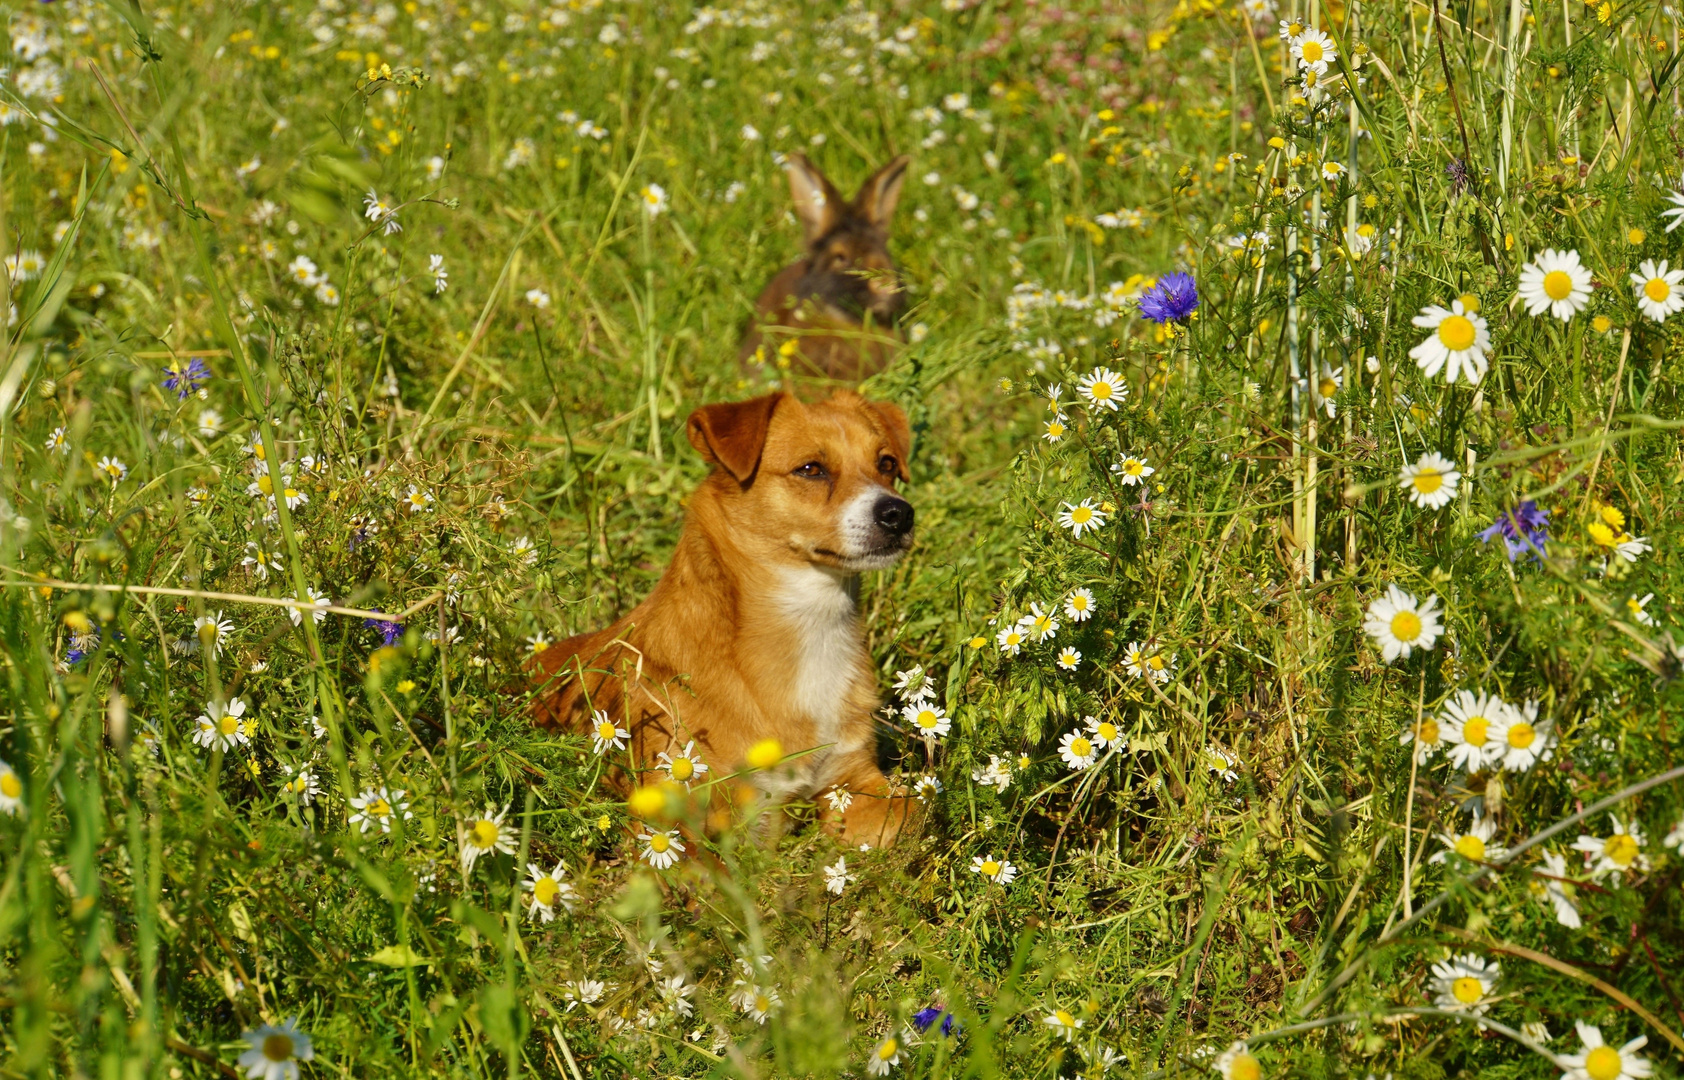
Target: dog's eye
<point>887,465</point>
<point>812,471</point>
<point>837,262</point>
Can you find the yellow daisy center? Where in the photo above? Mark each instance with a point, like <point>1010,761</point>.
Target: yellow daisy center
<point>1080,747</point>
<point>1469,846</point>
<point>380,808</point>
<point>1657,289</point>
<point>1328,387</point>
<point>1467,989</point>
<point>277,1047</point>
<point>1620,849</point>
<point>1633,606</point>
<point>682,769</point>
<point>1014,638</point>
<point>10,786</point>
<point>1133,467</point>
<point>1427,731</point>
<point>762,1003</point>
<point>1475,730</point>
<point>1245,1067</point>
<point>266,485</point>
<point>1055,428</point>
<point>1427,480</point>
<point>418,500</point>
<point>1100,390</point>
<point>927,719</point>
<point>1604,1063</point>
<point>1522,735</point>
<point>1558,285</point>
<point>1470,303</point>
<point>606,731</point>
<point>1457,332</point>
<point>228,725</point>
<point>887,1049</point>
<point>659,843</point>
<point>1156,663</point>
<point>1312,52</point>
<point>1041,624</point>
<point>1064,1018</point>
<point>545,890</point>
<point>1106,731</point>
<point>1081,516</point>
<point>990,868</point>
<point>484,834</point>
<point>1406,626</point>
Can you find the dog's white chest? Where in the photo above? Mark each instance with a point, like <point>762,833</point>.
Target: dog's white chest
<point>824,646</point>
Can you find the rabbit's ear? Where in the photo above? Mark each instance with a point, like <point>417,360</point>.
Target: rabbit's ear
<point>817,202</point>
<point>878,196</point>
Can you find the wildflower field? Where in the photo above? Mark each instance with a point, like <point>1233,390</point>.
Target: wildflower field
<point>1285,666</point>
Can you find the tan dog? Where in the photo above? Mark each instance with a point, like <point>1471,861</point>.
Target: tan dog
<point>831,315</point>
<point>752,633</point>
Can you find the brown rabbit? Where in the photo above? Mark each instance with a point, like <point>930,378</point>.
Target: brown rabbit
<point>832,315</point>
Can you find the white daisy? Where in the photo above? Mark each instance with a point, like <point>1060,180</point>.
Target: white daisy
<point>1069,658</point>
<point>1063,1023</point>
<point>1474,845</point>
<point>276,1051</point>
<point>1078,606</point>
<point>11,790</point>
<point>1674,839</point>
<point>1430,482</point>
<point>483,835</point>
<point>1559,893</point>
<point>1400,625</point>
<point>1104,732</point>
<point>1638,609</point>
<point>1457,346</point>
<point>1011,640</point>
<point>1314,50</point>
<point>999,871</point>
<point>1077,749</point>
<point>1603,1062</point>
<point>1426,735</point>
<point>301,785</point>
<point>1629,547</point>
<point>1039,625</point>
<point>1145,662</point>
<point>1238,1063</point>
<point>885,1056</point>
<point>1327,388</point>
<point>607,733</point>
<point>1555,282</point>
<point>58,442</point>
<point>661,849</point>
<point>1102,388</point>
<point>1056,429</point>
<point>681,765</point>
<point>927,720</point>
<point>1621,851</point>
<point>113,468</point>
<point>1520,740</point>
<point>378,808</point>
<point>1675,211</point>
<point>212,631</point>
<point>219,727</point>
<point>1132,469</point>
<point>549,892</point>
<point>1083,517</point>
<point>839,798</point>
<point>1463,983</point>
<point>760,1002</point>
<point>1470,722</point>
<point>418,500</point>
<point>1658,290</point>
<point>654,199</point>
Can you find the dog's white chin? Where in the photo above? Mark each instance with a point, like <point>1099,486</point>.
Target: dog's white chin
<point>855,564</point>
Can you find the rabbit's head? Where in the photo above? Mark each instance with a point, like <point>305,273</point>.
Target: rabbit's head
<point>848,262</point>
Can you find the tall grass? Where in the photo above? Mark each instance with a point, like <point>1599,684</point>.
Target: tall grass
<point>473,463</point>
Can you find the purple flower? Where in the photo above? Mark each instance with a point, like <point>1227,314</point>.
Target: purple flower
<point>186,380</point>
<point>1172,299</point>
<point>389,631</point>
<point>923,1018</point>
<point>1523,529</point>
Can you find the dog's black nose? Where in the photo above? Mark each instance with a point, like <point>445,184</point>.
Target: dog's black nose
<point>893,515</point>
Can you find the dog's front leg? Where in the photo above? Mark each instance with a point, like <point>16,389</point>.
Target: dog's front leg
<point>877,812</point>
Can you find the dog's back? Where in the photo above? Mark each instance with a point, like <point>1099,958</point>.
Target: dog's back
<point>832,314</point>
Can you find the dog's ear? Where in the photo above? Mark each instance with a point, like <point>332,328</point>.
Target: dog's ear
<point>817,202</point>
<point>733,433</point>
<point>895,427</point>
<point>878,196</point>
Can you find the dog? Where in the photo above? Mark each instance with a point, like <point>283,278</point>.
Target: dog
<point>833,314</point>
<point>752,633</point>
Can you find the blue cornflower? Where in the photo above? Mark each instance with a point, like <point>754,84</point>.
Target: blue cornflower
<point>389,631</point>
<point>923,1018</point>
<point>186,380</point>
<point>74,657</point>
<point>1523,529</point>
<point>1172,299</point>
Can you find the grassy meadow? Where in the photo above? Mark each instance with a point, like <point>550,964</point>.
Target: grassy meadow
<point>1298,669</point>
